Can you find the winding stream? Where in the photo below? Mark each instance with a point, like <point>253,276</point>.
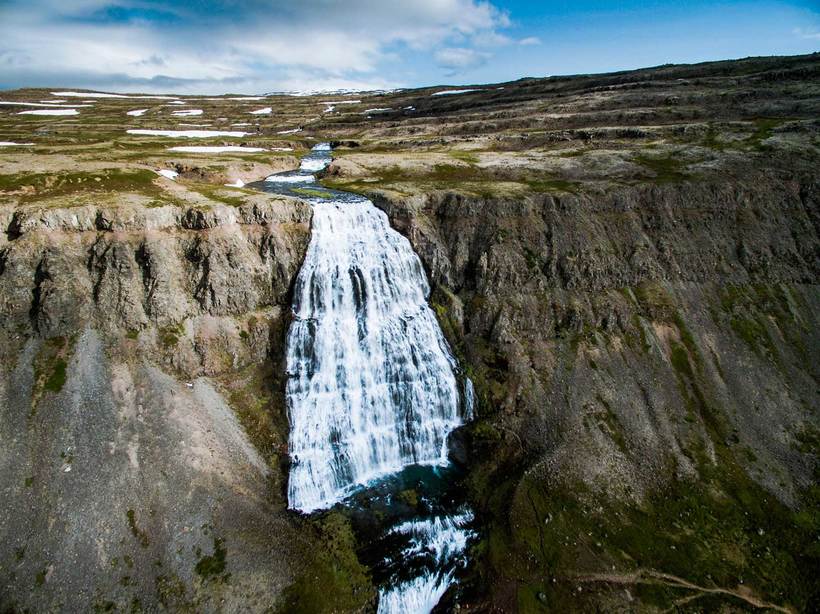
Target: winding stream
<point>373,393</point>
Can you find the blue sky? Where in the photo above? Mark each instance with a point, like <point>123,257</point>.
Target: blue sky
<point>254,46</point>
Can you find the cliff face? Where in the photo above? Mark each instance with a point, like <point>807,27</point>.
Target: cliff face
<point>141,417</point>
<point>646,362</point>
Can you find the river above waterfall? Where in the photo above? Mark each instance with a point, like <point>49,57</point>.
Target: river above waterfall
<point>373,393</point>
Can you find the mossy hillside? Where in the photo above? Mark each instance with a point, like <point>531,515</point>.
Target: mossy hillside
<point>722,530</point>
<point>761,315</point>
<point>465,156</point>
<point>36,186</point>
<point>547,186</point>
<point>465,178</point>
<point>234,197</point>
<point>745,136</point>
<point>256,396</point>
<point>763,129</point>
<point>334,579</point>
<point>724,526</point>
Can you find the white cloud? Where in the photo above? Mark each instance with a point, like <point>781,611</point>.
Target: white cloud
<point>460,59</point>
<point>530,40</point>
<point>490,38</point>
<point>218,45</point>
<point>807,34</point>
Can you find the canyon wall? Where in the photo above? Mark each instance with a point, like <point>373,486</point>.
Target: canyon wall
<point>646,363</point>
<point>141,407</point>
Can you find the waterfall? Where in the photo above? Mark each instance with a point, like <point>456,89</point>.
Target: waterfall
<point>440,540</point>
<point>372,383</point>
<point>372,386</point>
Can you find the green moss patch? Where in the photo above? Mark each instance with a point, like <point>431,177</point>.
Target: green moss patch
<point>309,193</point>
<point>256,396</point>
<point>138,533</point>
<point>764,128</point>
<point>57,378</point>
<point>233,197</point>
<point>51,368</point>
<point>169,336</point>
<point>655,301</point>
<point>34,186</point>
<point>335,580</point>
<point>465,156</point>
<point>755,311</point>
<point>665,169</point>
<point>212,566</point>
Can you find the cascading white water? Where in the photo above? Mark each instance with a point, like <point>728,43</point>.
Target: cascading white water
<point>372,384</point>
<point>441,539</point>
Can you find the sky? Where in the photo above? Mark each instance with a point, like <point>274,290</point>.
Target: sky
<point>260,46</point>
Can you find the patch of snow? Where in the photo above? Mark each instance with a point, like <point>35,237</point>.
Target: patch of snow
<point>168,174</point>
<point>242,124</point>
<point>53,101</point>
<point>451,92</point>
<point>187,113</point>
<point>294,131</point>
<point>13,144</point>
<point>369,111</point>
<point>217,149</point>
<point>236,184</point>
<point>409,108</point>
<point>190,134</point>
<point>281,148</point>
<point>265,111</point>
<point>50,112</point>
<point>14,103</point>
<point>136,112</point>
<point>176,102</point>
<point>105,95</point>
<point>88,95</point>
<point>329,109</point>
